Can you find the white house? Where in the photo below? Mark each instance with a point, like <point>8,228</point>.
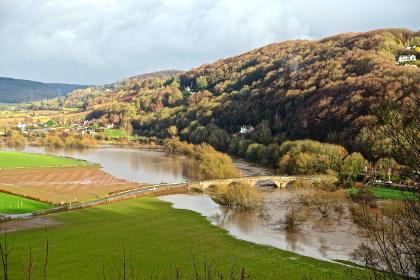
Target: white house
<point>246,129</point>
<point>21,125</point>
<point>406,58</point>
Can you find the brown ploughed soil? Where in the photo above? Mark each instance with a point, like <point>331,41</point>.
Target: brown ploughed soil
<point>63,184</point>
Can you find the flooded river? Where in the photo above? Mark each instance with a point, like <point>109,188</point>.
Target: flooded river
<point>323,238</point>
<point>143,166</point>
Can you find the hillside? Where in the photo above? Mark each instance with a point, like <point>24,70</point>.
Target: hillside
<point>328,90</point>
<point>17,91</point>
<point>158,74</point>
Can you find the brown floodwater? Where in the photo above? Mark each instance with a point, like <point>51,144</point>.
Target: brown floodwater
<point>330,238</point>
<point>143,166</point>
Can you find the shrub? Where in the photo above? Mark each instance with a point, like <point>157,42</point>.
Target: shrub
<point>305,191</point>
<point>326,183</point>
<point>310,157</point>
<point>15,140</point>
<point>324,203</point>
<point>214,164</point>
<point>255,151</point>
<point>69,140</point>
<point>238,195</point>
<point>364,196</point>
<point>292,220</point>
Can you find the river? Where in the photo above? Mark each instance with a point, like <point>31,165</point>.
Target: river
<point>330,238</point>
<point>143,166</point>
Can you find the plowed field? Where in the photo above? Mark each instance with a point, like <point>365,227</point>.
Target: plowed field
<point>62,184</point>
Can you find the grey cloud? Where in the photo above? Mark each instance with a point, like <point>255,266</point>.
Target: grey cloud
<point>94,41</point>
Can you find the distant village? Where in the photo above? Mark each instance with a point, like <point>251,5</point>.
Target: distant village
<point>82,127</point>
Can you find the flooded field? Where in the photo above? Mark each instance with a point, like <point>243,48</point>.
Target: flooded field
<point>329,238</point>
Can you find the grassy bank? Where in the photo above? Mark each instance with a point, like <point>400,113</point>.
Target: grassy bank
<point>157,236</point>
<point>389,193</point>
<point>12,204</point>
<point>16,159</point>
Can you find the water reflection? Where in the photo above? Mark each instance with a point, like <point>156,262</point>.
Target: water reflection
<point>332,238</point>
<point>294,241</point>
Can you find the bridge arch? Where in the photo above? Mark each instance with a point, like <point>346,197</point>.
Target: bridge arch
<point>265,183</point>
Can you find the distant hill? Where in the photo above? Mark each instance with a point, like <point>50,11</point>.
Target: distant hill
<point>17,91</point>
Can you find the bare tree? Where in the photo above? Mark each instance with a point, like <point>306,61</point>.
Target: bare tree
<point>47,247</point>
<point>293,219</point>
<point>323,203</point>
<point>4,251</point>
<point>392,249</point>
<point>126,270</point>
<point>402,127</point>
<point>29,264</point>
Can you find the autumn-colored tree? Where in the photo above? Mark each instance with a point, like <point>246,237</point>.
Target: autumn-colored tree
<point>173,130</point>
<point>353,166</point>
<point>201,82</point>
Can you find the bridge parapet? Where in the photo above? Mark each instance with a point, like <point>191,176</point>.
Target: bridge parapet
<point>279,181</point>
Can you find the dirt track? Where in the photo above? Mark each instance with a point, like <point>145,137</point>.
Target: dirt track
<point>62,183</point>
<point>27,223</point>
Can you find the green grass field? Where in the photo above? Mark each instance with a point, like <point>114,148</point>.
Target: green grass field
<point>117,134</point>
<point>389,193</point>
<point>12,204</point>
<point>16,159</point>
<point>112,133</point>
<point>158,238</point>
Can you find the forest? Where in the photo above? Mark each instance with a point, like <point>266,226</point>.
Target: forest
<point>331,90</point>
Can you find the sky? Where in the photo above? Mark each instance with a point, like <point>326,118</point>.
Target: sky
<point>102,41</point>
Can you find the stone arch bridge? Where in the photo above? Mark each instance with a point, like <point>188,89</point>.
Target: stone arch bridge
<point>279,181</point>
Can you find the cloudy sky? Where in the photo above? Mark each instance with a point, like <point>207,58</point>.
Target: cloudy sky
<point>101,41</point>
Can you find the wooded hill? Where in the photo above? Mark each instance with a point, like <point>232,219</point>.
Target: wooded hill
<point>158,74</point>
<point>18,91</point>
<point>329,90</point>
